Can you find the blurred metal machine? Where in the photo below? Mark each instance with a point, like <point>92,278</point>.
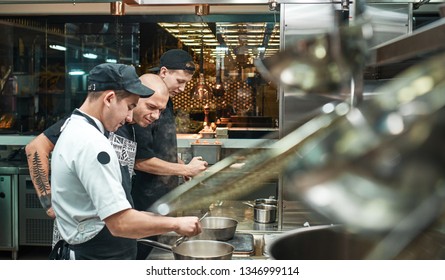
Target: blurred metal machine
<point>373,164</point>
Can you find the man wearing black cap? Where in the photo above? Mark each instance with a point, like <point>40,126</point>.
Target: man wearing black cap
<point>93,213</point>
<point>157,166</point>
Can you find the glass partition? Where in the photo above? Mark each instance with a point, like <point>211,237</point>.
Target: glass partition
<point>44,63</point>
<point>33,75</point>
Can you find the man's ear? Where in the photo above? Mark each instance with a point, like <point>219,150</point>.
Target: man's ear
<point>163,71</point>
<point>108,98</point>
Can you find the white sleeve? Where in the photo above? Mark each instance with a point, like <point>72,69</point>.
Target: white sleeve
<point>99,171</point>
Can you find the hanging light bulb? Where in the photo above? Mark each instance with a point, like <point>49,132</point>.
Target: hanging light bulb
<point>202,91</point>
<point>218,89</point>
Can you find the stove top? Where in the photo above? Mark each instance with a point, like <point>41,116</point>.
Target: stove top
<point>243,243</point>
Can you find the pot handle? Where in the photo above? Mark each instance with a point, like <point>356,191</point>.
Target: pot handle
<point>155,244</point>
<point>248,204</point>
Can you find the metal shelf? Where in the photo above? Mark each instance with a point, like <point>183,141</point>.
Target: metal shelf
<point>421,42</point>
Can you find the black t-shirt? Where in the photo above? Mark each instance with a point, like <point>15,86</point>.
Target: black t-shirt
<point>53,132</point>
<point>157,140</point>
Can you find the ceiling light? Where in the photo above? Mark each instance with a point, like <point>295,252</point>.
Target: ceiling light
<point>57,47</point>
<point>166,24</point>
<point>90,55</point>
<point>76,72</point>
<point>170,30</point>
<point>210,40</point>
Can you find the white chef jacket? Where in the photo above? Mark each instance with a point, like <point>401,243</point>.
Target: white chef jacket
<point>86,180</point>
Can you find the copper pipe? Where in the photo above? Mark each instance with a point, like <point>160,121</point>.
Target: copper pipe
<point>202,10</point>
<point>117,8</point>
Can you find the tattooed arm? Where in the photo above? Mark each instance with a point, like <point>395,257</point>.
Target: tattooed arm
<point>37,154</point>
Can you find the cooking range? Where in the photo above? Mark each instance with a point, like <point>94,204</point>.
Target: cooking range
<point>242,242</point>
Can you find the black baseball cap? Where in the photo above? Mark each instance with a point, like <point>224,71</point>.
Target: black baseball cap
<point>175,59</point>
<point>112,76</point>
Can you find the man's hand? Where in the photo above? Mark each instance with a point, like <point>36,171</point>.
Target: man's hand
<point>50,213</point>
<point>188,226</point>
<point>196,166</point>
<point>45,201</point>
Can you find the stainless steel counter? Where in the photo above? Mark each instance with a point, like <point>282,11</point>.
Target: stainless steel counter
<point>13,168</point>
<point>297,216</point>
<point>184,141</point>
<point>15,139</point>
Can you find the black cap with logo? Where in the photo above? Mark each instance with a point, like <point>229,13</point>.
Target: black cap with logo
<point>176,59</point>
<point>111,76</point>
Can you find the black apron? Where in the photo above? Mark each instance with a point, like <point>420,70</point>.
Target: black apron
<point>104,245</point>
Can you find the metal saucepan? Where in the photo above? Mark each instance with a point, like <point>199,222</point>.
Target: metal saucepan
<point>264,210</point>
<point>265,213</point>
<point>268,201</point>
<point>195,249</point>
<point>218,228</point>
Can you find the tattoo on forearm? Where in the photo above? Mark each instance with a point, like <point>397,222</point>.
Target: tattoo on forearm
<point>41,180</point>
<point>45,200</point>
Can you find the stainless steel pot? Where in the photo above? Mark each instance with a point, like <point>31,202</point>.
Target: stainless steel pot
<point>264,210</point>
<point>218,228</point>
<point>195,249</point>
<point>265,213</point>
<point>269,201</point>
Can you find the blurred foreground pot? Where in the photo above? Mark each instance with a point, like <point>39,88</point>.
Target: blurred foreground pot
<point>381,166</point>
<point>334,242</point>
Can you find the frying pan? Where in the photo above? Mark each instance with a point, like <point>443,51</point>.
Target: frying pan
<point>218,228</point>
<point>195,249</point>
